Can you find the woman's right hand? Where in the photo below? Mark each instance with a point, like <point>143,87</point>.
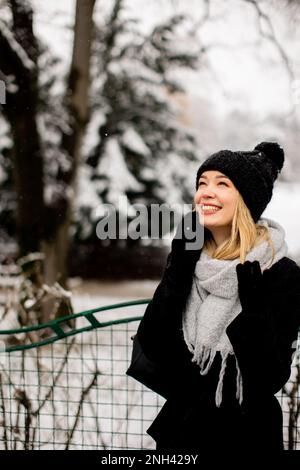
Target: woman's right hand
<point>185,250</point>
<point>189,235</point>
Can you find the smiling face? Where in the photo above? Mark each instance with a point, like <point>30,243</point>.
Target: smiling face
<point>217,189</point>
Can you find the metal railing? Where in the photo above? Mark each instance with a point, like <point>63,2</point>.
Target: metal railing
<point>67,388</point>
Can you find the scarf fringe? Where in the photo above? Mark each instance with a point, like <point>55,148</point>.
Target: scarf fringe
<point>239,383</point>
<point>219,389</point>
<point>204,357</point>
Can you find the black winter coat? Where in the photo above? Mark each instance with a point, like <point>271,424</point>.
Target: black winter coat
<point>263,344</point>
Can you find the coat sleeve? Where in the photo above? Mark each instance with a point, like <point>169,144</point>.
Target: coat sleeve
<point>159,331</point>
<point>264,342</point>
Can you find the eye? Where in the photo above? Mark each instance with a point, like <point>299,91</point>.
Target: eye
<point>222,182</point>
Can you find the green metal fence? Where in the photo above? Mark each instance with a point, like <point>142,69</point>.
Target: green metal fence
<point>67,388</point>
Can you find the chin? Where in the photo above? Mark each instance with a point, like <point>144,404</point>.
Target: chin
<point>216,223</point>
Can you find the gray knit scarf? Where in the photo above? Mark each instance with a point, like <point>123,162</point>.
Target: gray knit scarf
<point>213,303</point>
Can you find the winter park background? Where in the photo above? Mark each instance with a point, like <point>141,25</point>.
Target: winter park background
<point>112,99</point>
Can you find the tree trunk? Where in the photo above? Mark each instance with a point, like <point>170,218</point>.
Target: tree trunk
<point>43,228</point>
<point>21,112</point>
<point>56,245</point>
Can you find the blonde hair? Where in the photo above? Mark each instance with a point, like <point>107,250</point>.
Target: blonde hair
<point>245,234</point>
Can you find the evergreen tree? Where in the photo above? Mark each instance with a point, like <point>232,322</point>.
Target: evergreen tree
<point>136,146</point>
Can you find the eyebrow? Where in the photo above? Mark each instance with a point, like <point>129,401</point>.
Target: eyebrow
<point>217,176</point>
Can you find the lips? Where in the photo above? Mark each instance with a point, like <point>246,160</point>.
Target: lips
<point>207,209</point>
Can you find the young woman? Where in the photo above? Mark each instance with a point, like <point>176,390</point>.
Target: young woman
<point>223,322</point>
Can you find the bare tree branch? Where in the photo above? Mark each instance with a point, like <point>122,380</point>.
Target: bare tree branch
<point>3,423</point>
<point>271,36</point>
<point>61,368</point>
<point>83,395</point>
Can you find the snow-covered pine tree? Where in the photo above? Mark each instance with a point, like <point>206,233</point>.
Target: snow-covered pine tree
<point>136,145</point>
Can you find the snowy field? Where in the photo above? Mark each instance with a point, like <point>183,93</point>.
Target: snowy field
<point>81,397</point>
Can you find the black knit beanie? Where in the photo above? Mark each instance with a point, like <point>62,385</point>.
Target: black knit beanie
<point>252,173</point>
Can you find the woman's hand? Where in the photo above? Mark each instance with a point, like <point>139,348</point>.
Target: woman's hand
<point>185,252</point>
<point>189,235</point>
<point>253,286</point>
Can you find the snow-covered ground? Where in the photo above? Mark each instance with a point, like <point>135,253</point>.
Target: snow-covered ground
<point>93,294</point>
<point>113,413</point>
<point>90,294</point>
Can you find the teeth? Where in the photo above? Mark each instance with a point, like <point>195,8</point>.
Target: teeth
<point>210,208</point>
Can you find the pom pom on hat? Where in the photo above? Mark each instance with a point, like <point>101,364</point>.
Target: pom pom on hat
<point>273,151</point>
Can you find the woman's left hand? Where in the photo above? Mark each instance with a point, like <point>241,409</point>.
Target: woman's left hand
<point>252,286</point>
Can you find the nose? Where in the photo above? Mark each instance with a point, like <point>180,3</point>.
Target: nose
<point>206,191</point>
<point>206,195</point>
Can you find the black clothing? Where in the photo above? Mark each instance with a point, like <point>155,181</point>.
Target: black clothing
<point>262,342</point>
